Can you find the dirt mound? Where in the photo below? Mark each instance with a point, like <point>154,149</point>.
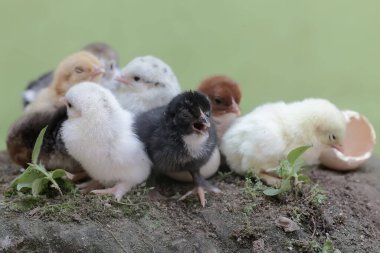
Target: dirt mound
<point>240,219</point>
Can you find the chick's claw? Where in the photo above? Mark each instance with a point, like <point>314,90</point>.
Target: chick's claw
<point>77,176</point>
<point>200,191</point>
<point>118,191</point>
<point>87,187</point>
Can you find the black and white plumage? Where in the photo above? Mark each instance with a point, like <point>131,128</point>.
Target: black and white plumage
<point>23,134</point>
<point>99,134</point>
<point>180,137</point>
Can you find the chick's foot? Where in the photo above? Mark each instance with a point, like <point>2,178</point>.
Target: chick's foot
<point>87,187</point>
<point>201,187</point>
<point>118,190</point>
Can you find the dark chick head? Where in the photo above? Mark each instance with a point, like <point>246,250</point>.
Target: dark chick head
<point>224,94</point>
<point>189,112</point>
<point>107,55</point>
<point>103,51</point>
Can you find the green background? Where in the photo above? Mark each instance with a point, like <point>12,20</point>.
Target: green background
<point>276,50</point>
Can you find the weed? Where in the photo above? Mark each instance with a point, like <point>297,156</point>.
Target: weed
<point>248,208</point>
<point>253,189</point>
<point>224,175</point>
<point>290,171</point>
<point>36,178</point>
<point>316,196</point>
<point>315,246</point>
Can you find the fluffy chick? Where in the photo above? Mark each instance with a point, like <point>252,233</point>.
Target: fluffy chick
<point>81,66</point>
<point>145,83</point>
<point>225,95</point>
<point>23,134</point>
<point>103,51</point>
<point>110,61</point>
<point>180,137</point>
<point>262,138</point>
<point>109,150</point>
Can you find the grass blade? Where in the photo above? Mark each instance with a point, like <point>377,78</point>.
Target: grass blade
<point>37,146</point>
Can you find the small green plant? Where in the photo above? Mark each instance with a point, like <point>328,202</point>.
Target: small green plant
<point>316,196</point>
<point>315,246</point>
<point>328,247</point>
<point>253,189</point>
<point>36,177</point>
<point>290,172</point>
<point>248,208</point>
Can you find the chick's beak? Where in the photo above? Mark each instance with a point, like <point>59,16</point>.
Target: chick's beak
<point>122,79</point>
<point>97,71</point>
<point>202,124</point>
<point>204,120</point>
<point>338,147</point>
<point>63,101</point>
<point>234,108</point>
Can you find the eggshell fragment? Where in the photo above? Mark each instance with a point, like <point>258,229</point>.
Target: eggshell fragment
<point>358,144</point>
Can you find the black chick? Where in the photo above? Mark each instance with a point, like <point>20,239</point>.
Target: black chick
<point>180,137</point>
<point>23,134</point>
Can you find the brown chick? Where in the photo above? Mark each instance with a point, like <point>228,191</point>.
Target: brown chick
<point>79,67</point>
<point>23,134</point>
<point>224,94</point>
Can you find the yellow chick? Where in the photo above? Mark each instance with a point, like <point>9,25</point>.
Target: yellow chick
<point>76,68</point>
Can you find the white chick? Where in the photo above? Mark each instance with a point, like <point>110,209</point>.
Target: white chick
<point>145,83</point>
<point>99,135</point>
<point>262,138</point>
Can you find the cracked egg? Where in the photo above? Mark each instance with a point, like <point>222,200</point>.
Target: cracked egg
<point>358,144</point>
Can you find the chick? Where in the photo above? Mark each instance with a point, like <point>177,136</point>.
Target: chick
<point>145,83</point>
<point>180,137</point>
<point>225,95</point>
<point>35,86</point>
<point>104,52</point>
<point>262,138</point>
<point>78,67</point>
<point>110,63</point>
<point>108,150</point>
<point>23,134</point>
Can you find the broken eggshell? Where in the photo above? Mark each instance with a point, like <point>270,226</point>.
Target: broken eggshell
<point>358,144</point>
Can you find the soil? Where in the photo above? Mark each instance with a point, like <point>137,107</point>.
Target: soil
<point>240,219</point>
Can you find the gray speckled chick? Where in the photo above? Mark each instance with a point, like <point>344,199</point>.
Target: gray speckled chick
<point>145,83</point>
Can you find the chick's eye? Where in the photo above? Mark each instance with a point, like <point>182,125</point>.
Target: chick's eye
<point>218,101</point>
<point>111,66</point>
<point>136,78</point>
<point>69,105</point>
<point>79,70</point>
<point>332,137</point>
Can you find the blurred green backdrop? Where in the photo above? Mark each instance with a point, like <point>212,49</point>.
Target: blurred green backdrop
<point>276,50</point>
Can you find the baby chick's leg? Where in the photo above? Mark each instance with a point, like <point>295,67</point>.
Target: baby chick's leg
<point>118,190</point>
<point>86,187</point>
<point>270,178</point>
<point>77,176</point>
<point>201,185</point>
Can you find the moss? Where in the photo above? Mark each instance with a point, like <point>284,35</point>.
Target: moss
<point>74,206</point>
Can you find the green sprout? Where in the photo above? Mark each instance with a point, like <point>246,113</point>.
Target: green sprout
<point>36,177</point>
<point>290,172</point>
